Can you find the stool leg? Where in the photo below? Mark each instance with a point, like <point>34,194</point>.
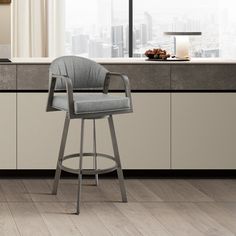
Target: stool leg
<point>95,164</point>
<point>80,166</point>
<point>117,157</point>
<point>61,154</point>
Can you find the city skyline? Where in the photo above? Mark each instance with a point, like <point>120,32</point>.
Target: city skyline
<point>106,33</point>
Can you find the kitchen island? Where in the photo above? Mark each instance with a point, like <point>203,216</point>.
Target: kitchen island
<point>184,116</point>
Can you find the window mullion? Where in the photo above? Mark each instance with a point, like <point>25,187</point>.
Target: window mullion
<point>130,28</point>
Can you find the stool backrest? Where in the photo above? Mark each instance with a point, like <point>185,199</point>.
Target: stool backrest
<point>84,73</point>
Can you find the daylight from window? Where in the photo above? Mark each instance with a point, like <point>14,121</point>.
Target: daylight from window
<point>99,29</point>
<point>214,18</point>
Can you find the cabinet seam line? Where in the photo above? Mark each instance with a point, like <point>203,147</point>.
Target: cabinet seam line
<point>170,118</point>
<point>16,121</point>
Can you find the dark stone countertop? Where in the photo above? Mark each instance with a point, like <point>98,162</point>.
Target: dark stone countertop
<point>194,75</point>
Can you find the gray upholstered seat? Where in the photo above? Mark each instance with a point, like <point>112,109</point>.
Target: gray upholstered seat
<point>77,73</point>
<point>93,103</point>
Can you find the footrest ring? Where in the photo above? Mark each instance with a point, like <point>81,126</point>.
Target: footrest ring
<point>88,171</point>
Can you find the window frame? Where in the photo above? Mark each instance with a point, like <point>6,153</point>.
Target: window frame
<point>131,22</point>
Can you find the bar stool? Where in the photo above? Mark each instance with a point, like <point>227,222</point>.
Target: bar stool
<point>76,73</point>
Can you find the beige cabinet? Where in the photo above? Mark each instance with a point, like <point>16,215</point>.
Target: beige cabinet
<point>8,131</point>
<point>39,132</point>
<point>143,137</point>
<point>203,131</point>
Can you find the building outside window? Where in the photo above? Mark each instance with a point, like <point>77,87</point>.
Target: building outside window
<point>97,29</point>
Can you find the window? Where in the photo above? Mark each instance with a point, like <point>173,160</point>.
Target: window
<point>97,29</point>
<point>100,28</point>
<point>214,18</point>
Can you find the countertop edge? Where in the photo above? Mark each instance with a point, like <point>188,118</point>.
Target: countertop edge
<point>125,61</point>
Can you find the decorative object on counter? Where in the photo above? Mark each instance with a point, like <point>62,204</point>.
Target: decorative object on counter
<point>5,1</point>
<point>157,54</point>
<point>173,58</point>
<point>182,43</point>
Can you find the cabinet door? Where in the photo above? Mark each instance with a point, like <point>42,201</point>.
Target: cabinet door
<point>8,131</point>
<point>39,133</point>
<point>204,131</point>
<point>143,137</point>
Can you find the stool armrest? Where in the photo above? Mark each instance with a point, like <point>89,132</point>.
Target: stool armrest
<point>125,80</point>
<point>69,91</point>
